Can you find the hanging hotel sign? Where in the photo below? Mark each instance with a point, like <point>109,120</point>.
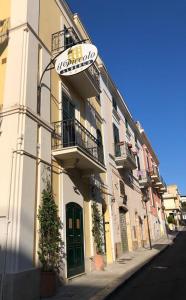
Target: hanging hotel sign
<point>76,59</point>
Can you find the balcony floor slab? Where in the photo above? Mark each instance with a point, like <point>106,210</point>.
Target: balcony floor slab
<point>76,157</point>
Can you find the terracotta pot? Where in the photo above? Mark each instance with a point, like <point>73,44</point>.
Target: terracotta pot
<point>47,284</point>
<point>99,262</point>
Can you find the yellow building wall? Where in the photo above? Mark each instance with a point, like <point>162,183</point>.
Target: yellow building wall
<point>129,235</point>
<point>55,101</point>
<point>95,104</point>
<point>4,15</point>
<point>108,238</point>
<point>87,227</point>
<point>56,181</point>
<point>49,25</point>
<point>108,235</point>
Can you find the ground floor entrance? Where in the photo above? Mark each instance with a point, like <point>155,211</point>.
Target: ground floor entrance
<point>74,239</point>
<point>123,229</point>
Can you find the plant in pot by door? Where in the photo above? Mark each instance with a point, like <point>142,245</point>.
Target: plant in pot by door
<point>97,231</point>
<point>50,243</point>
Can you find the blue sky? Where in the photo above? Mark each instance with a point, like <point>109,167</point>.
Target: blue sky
<point>143,44</point>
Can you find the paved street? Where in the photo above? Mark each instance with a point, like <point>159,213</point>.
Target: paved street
<point>97,285</point>
<point>164,278</point>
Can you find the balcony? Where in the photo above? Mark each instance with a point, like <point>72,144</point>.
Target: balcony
<point>144,178</point>
<point>86,83</point>
<point>155,177</point>
<point>163,188</point>
<point>76,147</point>
<point>124,156</point>
<point>157,181</point>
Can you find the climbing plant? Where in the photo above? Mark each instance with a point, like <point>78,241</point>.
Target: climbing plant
<point>97,228</point>
<point>50,242</point>
<point>171,219</point>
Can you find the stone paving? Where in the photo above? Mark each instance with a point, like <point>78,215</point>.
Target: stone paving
<point>97,285</point>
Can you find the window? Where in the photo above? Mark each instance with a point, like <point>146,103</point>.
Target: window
<point>100,145</point>
<point>68,108</point>
<point>148,165</point>
<point>68,127</point>
<point>126,124</point>
<point>116,141</point>
<point>98,98</point>
<point>130,177</point>
<point>114,103</point>
<point>138,162</point>
<point>153,200</point>
<point>122,188</point>
<point>99,137</point>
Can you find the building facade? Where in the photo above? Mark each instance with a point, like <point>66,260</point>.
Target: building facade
<point>123,145</point>
<point>153,185</point>
<point>78,133</point>
<point>183,208</point>
<point>172,204</point>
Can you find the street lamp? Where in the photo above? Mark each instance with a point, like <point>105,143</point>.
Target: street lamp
<point>145,200</point>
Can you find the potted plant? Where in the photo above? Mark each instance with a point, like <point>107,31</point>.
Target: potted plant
<point>171,221</point>
<point>50,243</point>
<point>97,231</point>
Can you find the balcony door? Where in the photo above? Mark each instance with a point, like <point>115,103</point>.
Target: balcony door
<point>74,239</point>
<point>68,124</point>
<point>116,141</point>
<point>99,146</point>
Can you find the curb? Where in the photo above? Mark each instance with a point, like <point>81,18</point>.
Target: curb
<point>115,284</point>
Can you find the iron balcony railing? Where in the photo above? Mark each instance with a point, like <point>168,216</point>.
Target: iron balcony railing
<point>69,133</point>
<point>144,175</point>
<point>122,150</point>
<point>94,73</point>
<point>63,39</point>
<point>163,182</point>
<point>154,172</point>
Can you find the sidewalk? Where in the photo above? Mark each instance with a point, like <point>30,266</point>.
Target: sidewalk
<point>97,285</point>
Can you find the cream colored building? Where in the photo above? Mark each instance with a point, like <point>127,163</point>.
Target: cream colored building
<point>172,203</point>
<point>75,130</point>
<point>183,202</point>
<point>123,158</point>
<point>35,147</point>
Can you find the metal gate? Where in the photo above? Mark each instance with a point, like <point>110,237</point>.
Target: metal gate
<point>123,229</point>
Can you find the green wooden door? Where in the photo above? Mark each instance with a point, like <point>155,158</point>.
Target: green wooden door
<point>74,239</point>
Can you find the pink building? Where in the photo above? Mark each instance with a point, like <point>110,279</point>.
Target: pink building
<point>153,186</point>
